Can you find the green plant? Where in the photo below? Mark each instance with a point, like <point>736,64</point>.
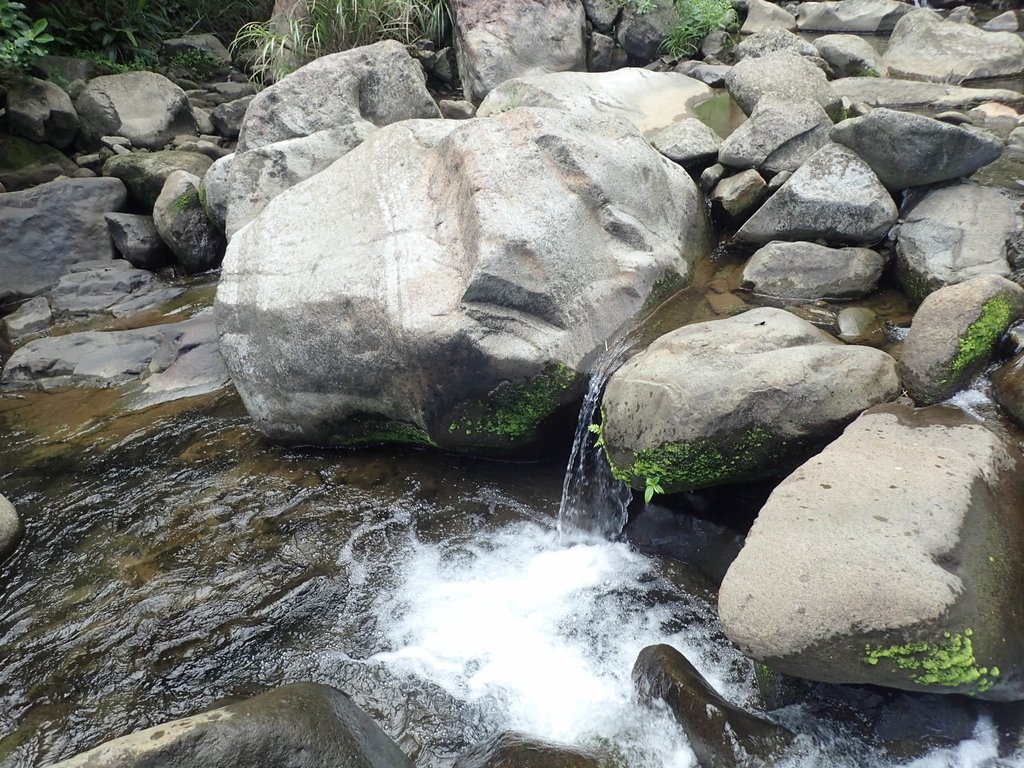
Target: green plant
<point>22,40</point>
<point>199,65</point>
<point>698,18</point>
<point>653,486</point>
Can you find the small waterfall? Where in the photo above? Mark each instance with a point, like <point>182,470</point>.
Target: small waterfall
<point>593,502</point>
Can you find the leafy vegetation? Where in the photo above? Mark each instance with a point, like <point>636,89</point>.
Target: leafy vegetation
<point>22,40</point>
<point>697,19</point>
<point>199,65</point>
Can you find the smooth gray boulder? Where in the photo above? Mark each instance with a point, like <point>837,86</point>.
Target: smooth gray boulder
<point>912,94</point>
<point>642,31</point>
<point>918,506</point>
<point>512,248</point>
<point>227,118</point>
<point>301,725</point>
<point>31,317</point>
<point>215,189</point>
<point>145,173</point>
<point>510,748</point>
<point>850,56</point>
<point>834,196</point>
<point>11,528</point>
<point>762,15</point>
<point>497,40</point>
<point>144,107</point>
<point>925,47</point>
<point>809,271</point>
<point>771,41</point>
<point>951,234</point>
<point>735,400</point>
<point>92,287</point>
<point>41,111</point>
<point>136,238</point>
<point>908,150</point>
<point>687,142</point>
<point>781,135</point>
<point>181,220</point>
<point>954,335</point>
<point>865,17</point>
<point>734,198</point>
<point>47,228</point>
<point>783,73</point>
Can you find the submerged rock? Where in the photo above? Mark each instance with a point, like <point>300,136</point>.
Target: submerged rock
<point>810,271</point>
<point>890,559</point>
<point>509,749</point>
<point>144,107</point>
<point>11,528</point>
<point>735,400</point>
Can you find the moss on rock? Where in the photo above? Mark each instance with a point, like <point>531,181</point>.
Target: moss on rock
<point>365,431</point>
<point>982,335</point>
<point>950,662</point>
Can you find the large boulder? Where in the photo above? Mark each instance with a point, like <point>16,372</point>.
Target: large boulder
<point>11,528</point>
<point>924,47</point>
<point>911,94</point>
<point>497,40</point>
<point>735,400</point>
<point>865,17</point>
<point>762,15</point>
<point>908,150</point>
<point>810,271</point>
<point>46,228</point>
<point>781,134</point>
<point>642,30</point>
<point>215,189</point>
<point>42,112</point>
<point>773,40</point>
<point>834,196</point>
<point>25,164</point>
<point>181,220</point>
<point>850,56</point>
<point>511,249</point>
<point>955,333</point>
<point>145,173</point>
<point>144,107</point>
<point>652,101</point>
<point>891,558</point>
<point>952,234</point>
<point>782,73</point>
<point>302,725</point>
<point>137,240</point>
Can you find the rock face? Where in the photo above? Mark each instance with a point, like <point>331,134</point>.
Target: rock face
<point>850,56</point>
<point>46,228</point>
<point>720,734</point>
<point>42,112</point>
<point>509,748</point>
<point>144,107</point>
<point>952,234</point>
<point>834,196</point>
<point>782,73</point>
<point>908,150</point>
<point>955,333</point>
<point>497,41</point>
<point>864,17</point>
<point>652,101</point>
<point>181,220</point>
<point>734,400</point>
<point>810,271</point>
<point>511,248</point>
<point>145,173</point>
<point>11,528</point>
<point>919,506</point>
<point>924,47</point>
<point>781,134</point>
<point>303,725</point>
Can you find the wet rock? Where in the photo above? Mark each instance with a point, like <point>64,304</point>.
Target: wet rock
<point>602,13</point>
<point>810,271</point>
<point>924,47</point>
<point>1008,388</point>
<point>865,17</point>
<point>907,150</point>
<point>951,234</point>
<point>92,287</point>
<point>214,191</point>
<point>955,333</point>
<point>721,735</point>
<point>142,106</point>
<point>513,279</point>
<point>850,56</point>
<point>918,505</point>
<point>785,74</point>
<point>137,240</point>
<point>46,228</point>
<point>302,725</point>
<point>25,164</point>
<point>498,41</point>
<point>781,134</point>
<point>762,15</point>
<point>911,94</point>
<point>509,749</point>
<point>42,112</point>
<point>736,400</point>
<point>181,220</point>
<point>31,317</point>
<point>11,528</point>
<point>736,197</point>
<point>652,101</point>
<point>688,142</point>
<point>771,41</point>
<point>145,173</point>
<point>860,325</point>
<point>642,32</point>
<point>227,118</point>
<point>834,196</point>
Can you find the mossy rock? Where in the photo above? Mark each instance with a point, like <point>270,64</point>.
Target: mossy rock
<point>24,163</point>
<point>144,173</point>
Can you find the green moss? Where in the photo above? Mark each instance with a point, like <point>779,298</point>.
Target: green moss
<point>202,195</point>
<point>669,283</point>
<point>866,72</point>
<point>949,662</point>
<point>185,199</point>
<point>364,431</point>
<point>17,153</point>
<point>983,335</point>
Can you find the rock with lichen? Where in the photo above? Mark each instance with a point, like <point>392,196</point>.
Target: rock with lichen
<point>734,400</point>
<point>891,559</point>
<point>180,218</point>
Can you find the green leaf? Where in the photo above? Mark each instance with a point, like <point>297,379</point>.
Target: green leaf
<point>595,428</point>
<point>648,494</point>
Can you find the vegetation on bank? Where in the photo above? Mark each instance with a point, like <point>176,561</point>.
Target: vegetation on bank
<point>697,19</point>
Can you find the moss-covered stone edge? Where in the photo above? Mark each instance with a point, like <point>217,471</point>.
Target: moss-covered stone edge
<point>948,662</point>
<point>365,430</point>
<point>980,340</point>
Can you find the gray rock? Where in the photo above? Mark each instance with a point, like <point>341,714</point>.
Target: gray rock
<point>456,109</point>
<point>734,400</point>
<point>602,13</point>
<point>851,56</point>
<point>377,84</point>
<point>42,112</point>
<point>688,142</point>
<point>31,317</point>
<point>1004,22</point>
<point>720,734</point>
<point>47,228</point>
<point>709,74</point>
<point>181,220</point>
<point>145,173</point>
<point>11,528</point>
<point>809,271</point>
<point>781,135</point>
<point>762,15</point>
<point>861,325</point>
<point>215,189</point>
<point>782,73</point>
<point>711,176</point>
<point>25,164</point>
<point>232,91</point>
<point>773,40</point>
<point>204,124</point>
<point>716,45</point>
<point>213,151</point>
<point>951,234</point>
<point>955,333</point>
<point>205,43</point>
<point>872,17</point>
<point>136,239</point>
<point>834,196</point>
<point>92,287</point>
<point>642,32</point>
<point>143,106</point>
<point>70,69</point>
<point>962,14</point>
<point>515,274</point>
<point>509,748</point>
<point>736,197</point>
<point>652,101</point>
<point>907,150</point>
<point>227,118</point>
<point>916,506</point>
<point>924,47</point>
<point>601,53</point>
<point>911,94</point>
<point>496,40</point>
<point>302,725</point>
